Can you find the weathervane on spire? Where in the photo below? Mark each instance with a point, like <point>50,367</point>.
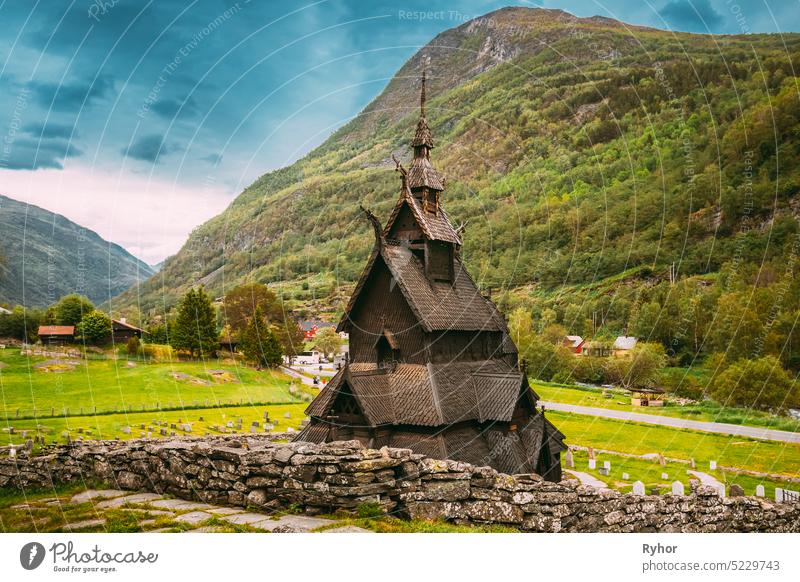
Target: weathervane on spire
<point>422,96</point>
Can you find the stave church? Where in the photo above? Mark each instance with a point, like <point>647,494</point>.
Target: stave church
<point>432,366</point>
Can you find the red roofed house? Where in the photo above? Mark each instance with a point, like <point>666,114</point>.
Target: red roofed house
<point>56,334</point>
<point>574,343</point>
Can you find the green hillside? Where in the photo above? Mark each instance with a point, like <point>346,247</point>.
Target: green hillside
<point>590,158</point>
<point>44,256</point>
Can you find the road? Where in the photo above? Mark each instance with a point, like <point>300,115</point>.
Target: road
<point>716,427</point>
<point>303,378</point>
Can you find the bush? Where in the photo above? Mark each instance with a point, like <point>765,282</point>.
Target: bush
<point>94,328</point>
<point>133,346</point>
<point>762,384</point>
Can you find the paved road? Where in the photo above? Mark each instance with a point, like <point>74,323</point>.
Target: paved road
<point>717,427</point>
<point>304,379</point>
<point>587,479</point>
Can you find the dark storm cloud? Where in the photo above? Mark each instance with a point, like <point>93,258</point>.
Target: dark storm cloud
<point>33,154</point>
<point>169,108</point>
<point>149,148</point>
<point>51,130</point>
<point>691,16</point>
<point>71,96</point>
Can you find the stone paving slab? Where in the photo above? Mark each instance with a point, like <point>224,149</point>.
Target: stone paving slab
<point>247,518</point>
<point>225,511</point>
<point>207,529</point>
<point>137,498</point>
<point>194,517</point>
<point>83,524</point>
<point>348,529</point>
<point>91,494</point>
<point>180,505</point>
<point>147,511</point>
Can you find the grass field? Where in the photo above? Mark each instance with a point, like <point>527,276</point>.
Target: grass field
<point>32,386</point>
<point>706,411</point>
<point>628,437</point>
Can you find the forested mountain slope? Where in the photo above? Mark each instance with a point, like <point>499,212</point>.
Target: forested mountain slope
<point>44,256</point>
<point>595,163</point>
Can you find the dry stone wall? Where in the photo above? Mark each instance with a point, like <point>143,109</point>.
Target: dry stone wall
<point>253,471</point>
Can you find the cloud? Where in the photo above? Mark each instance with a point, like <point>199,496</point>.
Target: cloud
<point>691,16</point>
<point>212,158</point>
<point>71,96</point>
<point>149,148</point>
<point>169,108</point>
<point>34,154</point>
<point>51,130</point>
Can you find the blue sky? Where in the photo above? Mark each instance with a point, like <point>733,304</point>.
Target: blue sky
<point>142,119</point>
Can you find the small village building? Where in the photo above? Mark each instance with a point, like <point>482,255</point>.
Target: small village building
<point>574,343</point>
<point>56,334</point>
<point>596,349</point>
<point>647,397</point>
<point>312,326</point>
<point>122,331</point>
<point>432,365</point>
<point>623,345</point>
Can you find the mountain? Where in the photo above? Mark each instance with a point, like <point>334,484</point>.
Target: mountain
<point>45,256</point>
<point>589,157</point>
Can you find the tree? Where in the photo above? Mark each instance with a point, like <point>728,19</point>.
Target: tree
<point>70,309</point>
<point>21,323</point>
<point>258,342</point>
<point>195,328</point>
<point>133,346</point>
<point>328,341</point>
<point>641,368</point>
<point>761,384</point>
<point>94,328</point>
<point>240,304</point>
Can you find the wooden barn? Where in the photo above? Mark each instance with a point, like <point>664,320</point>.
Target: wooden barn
<point>122,331</point>
<point>56,334</point>
<point>432,366</point>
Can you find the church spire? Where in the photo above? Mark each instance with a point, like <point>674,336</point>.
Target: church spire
<point>423,180</point>
<point>423,138</point>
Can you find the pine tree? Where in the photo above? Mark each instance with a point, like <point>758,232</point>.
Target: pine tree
<point>195,328</point>
<point>259,343</point>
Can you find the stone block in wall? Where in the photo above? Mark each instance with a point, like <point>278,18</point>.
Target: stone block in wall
<point>493,511</point>
<point>433,510</point>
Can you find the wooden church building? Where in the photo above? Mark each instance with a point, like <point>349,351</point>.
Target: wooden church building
<point>432,366</point>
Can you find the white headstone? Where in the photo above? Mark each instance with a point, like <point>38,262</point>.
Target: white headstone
<point>625,476</point>
<point>12,452</point>
<point>664,476</point>
<point>712,465</point>
<point>678,488</point>
<point>287,415</point>
<point>759,491</point>
<point>778,494</point>
<point>290,429</point>
<point>721,490</point>
<point>638,488</point>
<point>607,465</point>
<point>569,459</point>
<point>593,463</point>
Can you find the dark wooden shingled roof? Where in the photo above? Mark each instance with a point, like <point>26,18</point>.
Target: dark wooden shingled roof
<point>423,174</point>
<point>435,226</point>
<point>428,395</point>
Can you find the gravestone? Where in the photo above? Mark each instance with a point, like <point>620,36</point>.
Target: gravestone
<point>721,490</point>
<point>126,430</point>
<point>778,495</point>
<point>141,427</point>
<point>678,488</point>
<point>290,429</point>
<point>591,453</point>
<point>254,423</point>
<point>172,425</point>
<point>759,491</point>
<point>625,476</point>
<point>592,463</point>
<point>163,431</point>
<point>604,471</point>
<point>287,415</point>
<point>141,435</point>
<point>664,476</point>
<point>253,429</point>
<point>692,464</point>
<point>736,490</point>
<point>200,419</point>
<point>661,460</point>
<point>172,433</point>
<point>638,488</point>
<point>229,424</point>
<point>607,465</point>
<point>569,459</point>
<point>12,453</point>
<point>80,430</point>
<point>268,427</point>
<point>712,465</point>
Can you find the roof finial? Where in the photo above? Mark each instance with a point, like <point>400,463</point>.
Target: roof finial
<point>422,96</point>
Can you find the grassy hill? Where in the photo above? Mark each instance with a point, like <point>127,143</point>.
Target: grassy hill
<point>44,256</point>
<point>590,158</point>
